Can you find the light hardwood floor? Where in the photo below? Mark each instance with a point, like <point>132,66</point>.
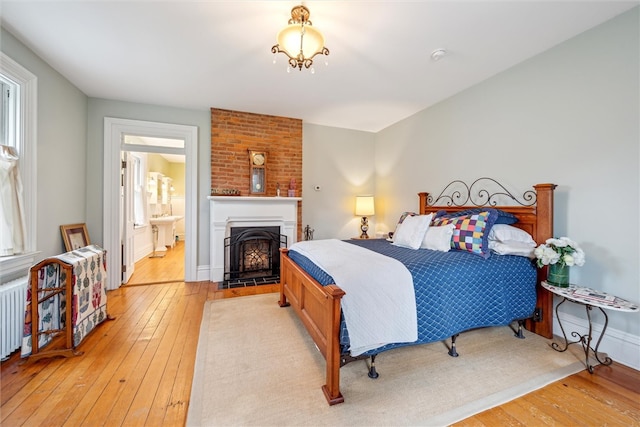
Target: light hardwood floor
<point>137,370</point>
<point>169,268</point>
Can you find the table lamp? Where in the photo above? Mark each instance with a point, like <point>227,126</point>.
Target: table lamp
<point>364,208</point>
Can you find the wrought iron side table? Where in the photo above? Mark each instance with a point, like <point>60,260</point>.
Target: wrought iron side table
<point>590,298</point>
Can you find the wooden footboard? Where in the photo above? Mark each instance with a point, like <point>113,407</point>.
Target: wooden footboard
<point>318,307</point>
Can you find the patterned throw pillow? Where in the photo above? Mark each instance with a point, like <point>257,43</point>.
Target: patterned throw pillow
<point>471,231</point>
<point>503,217</point>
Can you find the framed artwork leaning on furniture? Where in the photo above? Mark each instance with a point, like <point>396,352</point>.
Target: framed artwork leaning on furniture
<point>75,236</point>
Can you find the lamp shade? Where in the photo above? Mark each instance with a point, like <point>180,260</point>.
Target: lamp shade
<point>364,206</point>
<point>296,38</point>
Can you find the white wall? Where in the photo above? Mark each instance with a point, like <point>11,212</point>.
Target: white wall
<point>341,162</point>
<point>142,242</point>
<point>567,116</point>
<point>61,149</point>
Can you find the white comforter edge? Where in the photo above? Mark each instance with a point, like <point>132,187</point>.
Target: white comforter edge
<point>379,305</point>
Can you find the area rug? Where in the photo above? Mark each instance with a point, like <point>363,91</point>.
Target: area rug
<point>257,366</point>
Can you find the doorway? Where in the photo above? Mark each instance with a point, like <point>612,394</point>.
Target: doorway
<point>117,242</point>
<point>154,212</point>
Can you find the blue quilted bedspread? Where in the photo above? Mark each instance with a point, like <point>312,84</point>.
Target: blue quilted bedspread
<point>455,291</point>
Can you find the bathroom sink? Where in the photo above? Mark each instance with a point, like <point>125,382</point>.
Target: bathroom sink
<point>165,219</point>
<point>165,226</point>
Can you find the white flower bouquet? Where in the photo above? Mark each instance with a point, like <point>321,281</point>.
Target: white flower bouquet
<point>562,251</point>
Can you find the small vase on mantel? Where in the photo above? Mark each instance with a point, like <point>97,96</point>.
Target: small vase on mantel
<point>558,275</point>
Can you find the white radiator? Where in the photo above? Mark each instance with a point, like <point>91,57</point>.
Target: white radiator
<point>13,300</point>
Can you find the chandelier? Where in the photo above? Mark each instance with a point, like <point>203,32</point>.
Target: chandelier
<point>299,40</point>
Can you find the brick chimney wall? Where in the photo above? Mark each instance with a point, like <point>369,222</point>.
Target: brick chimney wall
<point>233,133</point>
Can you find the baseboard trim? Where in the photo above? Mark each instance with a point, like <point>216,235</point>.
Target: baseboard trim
<point>202,273</point>
<point>621,346</point>
<point>142,251</point>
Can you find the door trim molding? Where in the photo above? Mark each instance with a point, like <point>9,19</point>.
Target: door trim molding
<point>114,131</point>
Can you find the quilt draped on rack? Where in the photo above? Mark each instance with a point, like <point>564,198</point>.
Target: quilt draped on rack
<point>88,302</point>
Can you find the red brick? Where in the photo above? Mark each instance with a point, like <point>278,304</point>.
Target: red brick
<point>233,133</point>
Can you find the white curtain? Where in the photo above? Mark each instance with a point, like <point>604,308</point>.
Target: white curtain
<point>12,222</point>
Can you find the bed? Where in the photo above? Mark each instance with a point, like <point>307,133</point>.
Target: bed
<point>319,303</point>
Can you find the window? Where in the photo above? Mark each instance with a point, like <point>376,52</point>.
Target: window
<point>8,117</point>
<point>18,130</point>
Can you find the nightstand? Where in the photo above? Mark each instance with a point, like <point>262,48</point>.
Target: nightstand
<point>589,298</point>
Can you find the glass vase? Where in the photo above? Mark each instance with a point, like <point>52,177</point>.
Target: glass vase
<point>558,275</point>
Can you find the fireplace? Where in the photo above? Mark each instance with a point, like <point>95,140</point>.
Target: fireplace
<point>252,256</point>
<point>243,212</point>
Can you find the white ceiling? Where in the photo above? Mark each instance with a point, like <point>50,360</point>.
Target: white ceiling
<point>202,54</point>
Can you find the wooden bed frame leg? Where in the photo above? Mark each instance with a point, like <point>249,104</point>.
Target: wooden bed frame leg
<point>282,302</point>
<point>332,400</point>
<point>332,388</point>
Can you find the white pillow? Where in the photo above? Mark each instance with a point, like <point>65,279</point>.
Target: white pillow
<point>412,232</point>
<point>395,233</point>
<point>438,238</point>
<point>512,248</point>
<point>507,233</point>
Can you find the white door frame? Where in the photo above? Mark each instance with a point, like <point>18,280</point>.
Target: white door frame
<point>114,131</point>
